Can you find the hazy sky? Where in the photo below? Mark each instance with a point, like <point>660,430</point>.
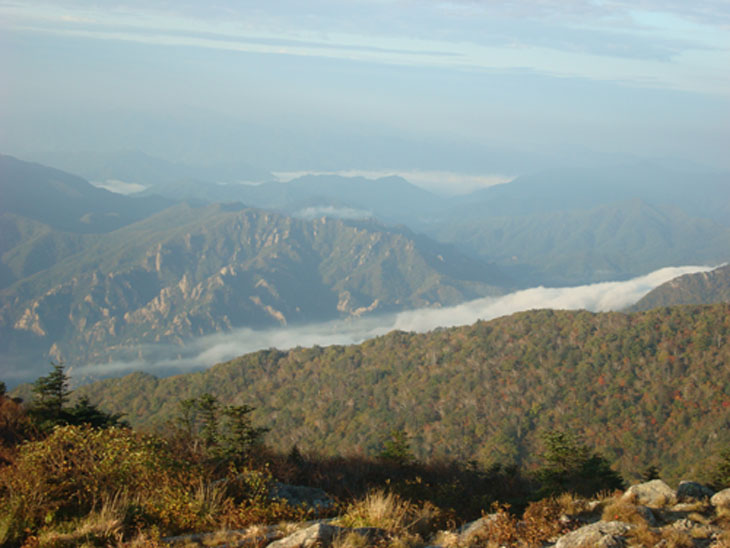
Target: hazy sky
<point>360,84</point>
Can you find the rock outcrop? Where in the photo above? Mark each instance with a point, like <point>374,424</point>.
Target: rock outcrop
<point>646,515</point>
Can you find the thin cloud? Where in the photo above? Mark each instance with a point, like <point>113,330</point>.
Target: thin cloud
<point>607,41</point>
<point>444,182</point>
<point>206,351</point>
<point>119,187</point>
<point>331,211</point>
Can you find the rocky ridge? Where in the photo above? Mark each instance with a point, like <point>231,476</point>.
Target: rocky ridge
<point>646,514</point>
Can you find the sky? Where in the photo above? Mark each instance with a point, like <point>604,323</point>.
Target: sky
<point>476,86</point>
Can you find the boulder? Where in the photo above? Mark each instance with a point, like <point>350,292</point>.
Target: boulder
<point>653,493</point>
<point>721,499</point>
<point>602,534</point>
<point>468,530</point>
<point>322,534</point>
<point>691,490</point>
<point>317,534</point>
<point>695,529</point>
<point>298,494</point>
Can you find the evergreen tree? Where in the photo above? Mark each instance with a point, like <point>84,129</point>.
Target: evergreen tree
<point>239,436</point>
<point>571,467</point>
<point>208,407</point>
<point>397,448</point>
<point>49,404</point>
<point>51,394</point>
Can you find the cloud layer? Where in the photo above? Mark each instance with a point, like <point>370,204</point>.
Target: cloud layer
<point>207,351</point>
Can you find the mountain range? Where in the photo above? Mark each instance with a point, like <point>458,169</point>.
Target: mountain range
<point>190,270</point>
<point>557,227</point>
<point>641,388</point>
<point>89,276</point>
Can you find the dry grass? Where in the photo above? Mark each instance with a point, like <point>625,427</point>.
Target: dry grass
<point>447,539</point>
<point>621,510</point>
<point>208,500</point>
<point>724,540</point>
<point>390,512</point>
<point>667,537</point>
<point>105,526</point>
<point>540,523</point>
<point>350,539</point>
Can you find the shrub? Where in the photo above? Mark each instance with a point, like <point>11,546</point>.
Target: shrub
<point>77,469</point>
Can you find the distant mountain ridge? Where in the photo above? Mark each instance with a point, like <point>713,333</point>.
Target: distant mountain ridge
<point>191,270</point>
<point>701,288</point>
<point>67,202</point>
<point>609,242</point>
<point>557,227</point>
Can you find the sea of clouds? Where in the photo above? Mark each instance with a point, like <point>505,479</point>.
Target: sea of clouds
<point>209,350</point>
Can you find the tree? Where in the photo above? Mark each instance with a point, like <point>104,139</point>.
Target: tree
<point>238,436</point>
<point>51,394</point>
<point>208,407</point>
<point>224,433</point>
<point>397,449</point>
<point>569,466</point>
<point>85,412</point>
<point>49,405</point>
<point>719,474</point>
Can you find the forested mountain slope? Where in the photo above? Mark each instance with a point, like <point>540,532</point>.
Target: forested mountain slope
<point>607,242</point>
<point>642,388</point>
<point>701,288</point>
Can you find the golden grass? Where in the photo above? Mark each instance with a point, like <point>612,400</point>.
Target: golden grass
<point>390,512</point>
<point>621,510</point>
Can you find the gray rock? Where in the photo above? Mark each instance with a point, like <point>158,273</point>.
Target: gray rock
<point>322,534</point>
<point>684,507</point>
<point>691,490</point>
<point>721,499</point>
<point>696,530</point>
<point>602,534</point>
<point>470,529</point>
<point>298,494</point>
<point>653,493</point>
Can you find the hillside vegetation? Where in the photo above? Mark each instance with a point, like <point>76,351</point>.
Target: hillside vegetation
<point>74,475</point>
<point>643,388</point>
<point>700,288</point>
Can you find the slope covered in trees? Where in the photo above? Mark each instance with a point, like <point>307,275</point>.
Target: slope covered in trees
<point>701,288</point>
<point>645,388</point>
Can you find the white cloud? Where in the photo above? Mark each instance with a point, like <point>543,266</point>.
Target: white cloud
<point>331,211</point>
<point>119,187</point>
<point>444,182</point>
<point>207,351</point>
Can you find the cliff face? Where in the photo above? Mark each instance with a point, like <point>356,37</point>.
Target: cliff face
<point>189,271</point>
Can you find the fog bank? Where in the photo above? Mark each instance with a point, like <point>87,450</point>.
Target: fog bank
<point>206,351</point>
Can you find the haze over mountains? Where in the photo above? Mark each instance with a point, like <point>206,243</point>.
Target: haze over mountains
<point>92,276</point>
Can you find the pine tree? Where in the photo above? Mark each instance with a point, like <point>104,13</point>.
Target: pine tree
<point>51,394</point>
